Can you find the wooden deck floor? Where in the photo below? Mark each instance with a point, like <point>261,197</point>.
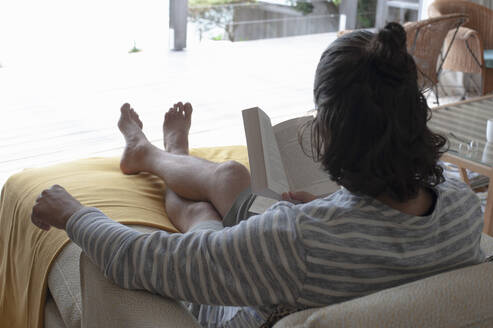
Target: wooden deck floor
<point>66,109</point>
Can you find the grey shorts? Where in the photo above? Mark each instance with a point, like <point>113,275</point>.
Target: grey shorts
<point>239,210</point>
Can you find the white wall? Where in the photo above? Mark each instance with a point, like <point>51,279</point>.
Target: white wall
<point>424,10</point>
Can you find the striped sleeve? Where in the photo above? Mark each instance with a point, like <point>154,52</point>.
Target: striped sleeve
<point>257,262</point>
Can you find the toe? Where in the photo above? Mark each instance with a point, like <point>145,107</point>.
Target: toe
<point>124,114</point>
<point>136,118</point>
<point>188,110</point>
<point>125,107</point>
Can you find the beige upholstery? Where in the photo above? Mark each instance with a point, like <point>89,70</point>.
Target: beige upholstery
<point>460,298</point>
<point>107,305</point>
<point>64,285</point>
<point>52,317</point>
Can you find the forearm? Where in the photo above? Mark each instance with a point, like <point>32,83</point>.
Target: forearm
<point>135,260</point>
<point>227,267</point>
<point>99,237</point>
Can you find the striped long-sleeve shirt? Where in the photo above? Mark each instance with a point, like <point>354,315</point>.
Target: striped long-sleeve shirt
<point>306,255</point>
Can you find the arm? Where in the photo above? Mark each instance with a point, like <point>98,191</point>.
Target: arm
<point>257,262</point>
<point>234,266</point>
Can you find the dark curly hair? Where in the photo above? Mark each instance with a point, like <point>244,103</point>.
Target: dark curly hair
<point>370,131</point>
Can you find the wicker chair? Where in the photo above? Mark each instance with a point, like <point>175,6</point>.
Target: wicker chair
<point>425,40</point>
<point>467,52</point>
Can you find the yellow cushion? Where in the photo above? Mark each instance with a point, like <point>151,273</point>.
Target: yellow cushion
<point>27,252</point>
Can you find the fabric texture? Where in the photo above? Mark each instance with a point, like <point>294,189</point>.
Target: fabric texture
<point>64,285</point>
<point>107,305</point>
<point>239,211</point>
<point>52,317</point>
<point>327,251</point>
<point>460,298</point>
<point>26,252</point>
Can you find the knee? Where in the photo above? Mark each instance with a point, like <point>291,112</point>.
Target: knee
<point>232,173</point>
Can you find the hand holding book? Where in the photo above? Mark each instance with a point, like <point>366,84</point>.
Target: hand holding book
<point>298,197</point>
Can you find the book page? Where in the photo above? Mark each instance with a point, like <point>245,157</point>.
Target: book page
<point>266,168</point>
<point>277,180</point>
<point>303,173</point>
<point>261,204</point>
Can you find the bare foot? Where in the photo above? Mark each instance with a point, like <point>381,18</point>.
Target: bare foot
<point>137,146</point>
<point>176,126</point>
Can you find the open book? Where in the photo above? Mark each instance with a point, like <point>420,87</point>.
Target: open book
<point>277,161</point>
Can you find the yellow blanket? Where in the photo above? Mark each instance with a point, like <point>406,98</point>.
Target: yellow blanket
<point>26,252</point>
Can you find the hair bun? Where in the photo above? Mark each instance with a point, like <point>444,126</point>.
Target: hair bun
<point>389,56</point>
<point>392,38</point>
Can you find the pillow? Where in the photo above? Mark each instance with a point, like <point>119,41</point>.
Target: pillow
<point>26,252</point>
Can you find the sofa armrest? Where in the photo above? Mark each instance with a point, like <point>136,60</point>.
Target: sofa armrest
<point>104,304</point>
<point>459,298</point>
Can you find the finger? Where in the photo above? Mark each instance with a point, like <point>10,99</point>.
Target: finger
<point>38,223</point>
<point>44,226</point>
<point>302,196</point>
<point>297,195</point>
<point>57,187</point>
<point>285,196</point>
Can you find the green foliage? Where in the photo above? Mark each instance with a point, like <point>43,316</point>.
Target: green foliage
<point>134,49</point>
<point>210,18</point>
<point>192,3</point>
<point>366,13</point>
<point>303,6</point>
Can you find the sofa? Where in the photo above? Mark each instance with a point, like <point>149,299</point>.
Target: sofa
<point>458,298</point>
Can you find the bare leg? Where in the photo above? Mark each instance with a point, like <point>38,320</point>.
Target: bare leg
<point>192,178</point>
<point>186,213</point>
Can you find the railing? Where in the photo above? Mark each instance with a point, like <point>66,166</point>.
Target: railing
<point>251,21</point>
